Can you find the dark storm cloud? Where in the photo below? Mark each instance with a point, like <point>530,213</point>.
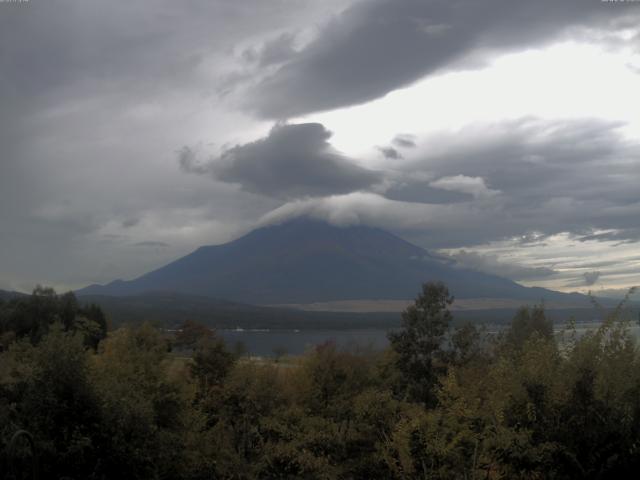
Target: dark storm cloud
<point>377,46</point>
<point>577,176</point>
<point>95,96</point>
<point>293,161</point>
<point>273,51</point>
<point>390,152</point>
<point>73,48</point>
<point>404,141</point>
<point>526,179</point>
<point>591,278</point>
<point>190,163</point>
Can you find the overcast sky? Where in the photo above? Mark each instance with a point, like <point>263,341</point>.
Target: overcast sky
<point>503,133</point>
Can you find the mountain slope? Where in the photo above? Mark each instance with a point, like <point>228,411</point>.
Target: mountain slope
<point>305,261</point>
<point>5,295</point>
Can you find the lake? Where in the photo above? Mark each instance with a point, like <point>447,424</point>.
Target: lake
<point>264,342</point>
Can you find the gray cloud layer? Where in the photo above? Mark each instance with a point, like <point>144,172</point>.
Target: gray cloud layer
<point>492,264</point>
<point>390,152</point>
<point>573,175</point>
<point>494,181</point>
<point>96,97</point>
<point>293,161</point>
<point>590,278</point>
<point>404,141</point>
<point>377,46</point>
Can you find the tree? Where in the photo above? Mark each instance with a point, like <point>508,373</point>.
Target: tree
<point>32,317</point>
<point>465,344</point>
<point>46,390</point>
<point>418,346</point>
<point>529,321</point>
<point>92,323</point>
<point>211,362</point>
<point>191,333</point>
<point>143,410</point>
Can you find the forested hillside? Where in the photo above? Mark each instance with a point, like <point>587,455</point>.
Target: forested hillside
<point>441,402</point>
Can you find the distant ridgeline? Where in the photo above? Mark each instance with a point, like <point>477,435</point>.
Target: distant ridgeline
<point>310,274</point>
<point>5,295</point>
<point>169,310</point>
<point>305,261</point>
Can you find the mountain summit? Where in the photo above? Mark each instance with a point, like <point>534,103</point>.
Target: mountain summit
<point>305,261</point>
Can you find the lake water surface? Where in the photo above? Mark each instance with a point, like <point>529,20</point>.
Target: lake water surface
<point>265,342</point>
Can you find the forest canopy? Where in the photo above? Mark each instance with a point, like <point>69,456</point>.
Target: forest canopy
<point>440,402</point>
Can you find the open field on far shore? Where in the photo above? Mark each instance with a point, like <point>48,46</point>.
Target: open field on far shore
<point>370,306</point>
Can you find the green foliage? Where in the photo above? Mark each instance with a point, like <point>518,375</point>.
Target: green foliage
<point>466,345</point>
<point>440,403</point>
<point>191,333</point>
<point>527,322</point>
<point>420,356</point>
<point>212,362</point>
<point>143,409</point>
<point>47,391</point>
<point>31,317</point>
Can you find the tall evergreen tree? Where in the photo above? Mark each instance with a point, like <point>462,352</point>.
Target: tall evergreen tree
<point>418,346</point>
